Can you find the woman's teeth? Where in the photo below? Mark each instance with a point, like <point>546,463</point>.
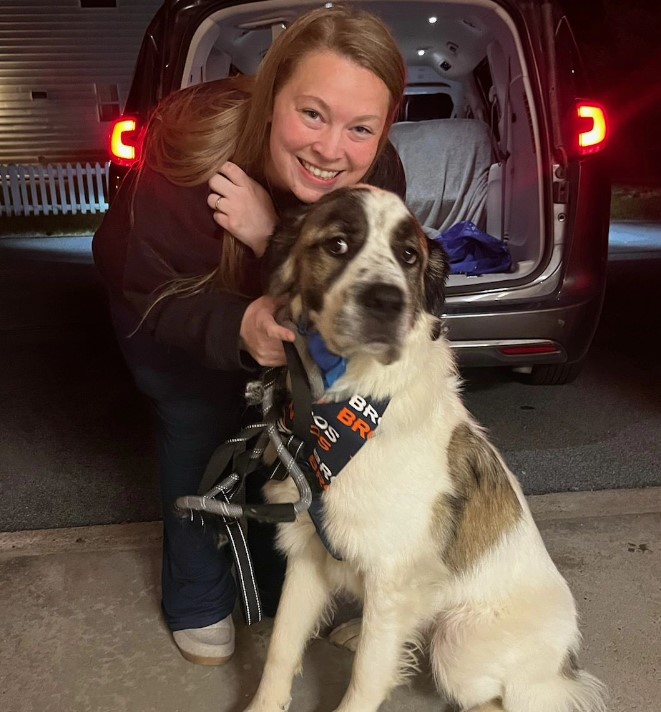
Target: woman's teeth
<point>318,172</point>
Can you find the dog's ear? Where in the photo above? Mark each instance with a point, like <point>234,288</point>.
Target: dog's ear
<point>435,277</point>
<point>278,272</point>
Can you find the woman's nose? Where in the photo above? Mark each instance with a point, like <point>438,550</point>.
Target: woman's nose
<point>329,145</point>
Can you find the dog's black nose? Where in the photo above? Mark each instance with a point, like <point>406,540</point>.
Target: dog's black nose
<point>383,298</point>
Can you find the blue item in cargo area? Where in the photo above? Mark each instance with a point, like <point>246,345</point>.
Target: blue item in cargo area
<point>473,252</point>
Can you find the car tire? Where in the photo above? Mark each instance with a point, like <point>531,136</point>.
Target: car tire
<point>554,374</point>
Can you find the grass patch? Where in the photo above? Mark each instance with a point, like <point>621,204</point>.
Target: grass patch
<point>49,225</point>
<point>635,203</point>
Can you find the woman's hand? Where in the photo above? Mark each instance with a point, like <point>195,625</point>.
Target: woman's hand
<point>261,335</point>
<point>242,207</point>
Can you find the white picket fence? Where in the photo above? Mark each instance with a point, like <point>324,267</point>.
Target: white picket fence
<point>53,189</point>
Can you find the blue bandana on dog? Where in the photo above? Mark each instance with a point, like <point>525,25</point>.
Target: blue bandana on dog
<point>331,365</point>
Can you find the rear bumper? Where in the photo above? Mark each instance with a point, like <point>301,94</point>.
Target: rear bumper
<point>524,336</point>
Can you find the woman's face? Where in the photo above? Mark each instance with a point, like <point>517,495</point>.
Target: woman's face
<point>326,126</point>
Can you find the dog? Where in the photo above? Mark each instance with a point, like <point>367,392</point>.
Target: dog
<point>425,524</point>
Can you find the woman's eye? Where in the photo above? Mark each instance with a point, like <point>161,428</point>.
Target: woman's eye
<point>337,246</point>
<point>409,256</point>
<point>311,114</point>
<point>364,130</point>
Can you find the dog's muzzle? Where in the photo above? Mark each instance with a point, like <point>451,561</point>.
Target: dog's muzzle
<point>382,319</point>
<point>382,301</point>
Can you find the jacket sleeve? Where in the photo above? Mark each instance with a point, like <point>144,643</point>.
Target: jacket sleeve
<point>173,235</point>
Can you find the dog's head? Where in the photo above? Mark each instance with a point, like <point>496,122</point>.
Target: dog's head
<point>358,268</point>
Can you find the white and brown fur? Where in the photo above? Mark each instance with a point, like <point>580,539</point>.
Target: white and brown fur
<point>436,538</point>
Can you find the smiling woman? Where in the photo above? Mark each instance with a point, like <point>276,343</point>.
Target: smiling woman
<point>326,127</point>
<point>315,118</point>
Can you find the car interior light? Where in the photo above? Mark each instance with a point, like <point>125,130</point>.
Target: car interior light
<point>592,127</point>
<point>432,20</point>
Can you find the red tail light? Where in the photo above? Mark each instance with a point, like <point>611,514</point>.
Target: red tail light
<point>125,141</point>
<point>530,349</point>
<point>591,127</point>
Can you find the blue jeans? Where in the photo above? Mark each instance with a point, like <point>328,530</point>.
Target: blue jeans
<point>195,410</point>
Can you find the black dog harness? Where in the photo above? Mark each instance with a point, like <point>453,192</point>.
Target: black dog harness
<point>317,440</point>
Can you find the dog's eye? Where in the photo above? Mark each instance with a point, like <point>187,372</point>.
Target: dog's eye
<point>337,246</point>
<point>409,256</point>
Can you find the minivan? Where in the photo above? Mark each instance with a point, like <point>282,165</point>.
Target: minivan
<point>498,132</point>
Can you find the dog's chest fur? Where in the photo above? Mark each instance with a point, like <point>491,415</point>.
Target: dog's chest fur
<point>427,497</point>
<point>379,509</point>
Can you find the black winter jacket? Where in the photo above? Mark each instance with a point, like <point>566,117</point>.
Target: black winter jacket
<point>172,234</point>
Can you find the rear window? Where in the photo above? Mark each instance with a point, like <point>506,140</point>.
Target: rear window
<point>424,106</point>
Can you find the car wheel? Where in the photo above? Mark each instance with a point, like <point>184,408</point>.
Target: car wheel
<point>554,374</point>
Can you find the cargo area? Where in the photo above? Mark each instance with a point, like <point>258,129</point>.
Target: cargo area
<point>467,132</point>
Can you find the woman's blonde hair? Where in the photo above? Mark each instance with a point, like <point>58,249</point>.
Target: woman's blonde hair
<point>193,132</point>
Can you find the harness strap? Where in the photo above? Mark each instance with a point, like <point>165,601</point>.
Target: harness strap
<point>250,600</point>
<point>301,427</point>
<point>296,449</point>
<point>301,393</point>
<point>235,451</point>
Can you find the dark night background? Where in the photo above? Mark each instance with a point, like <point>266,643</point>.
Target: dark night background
<point>620,42</point>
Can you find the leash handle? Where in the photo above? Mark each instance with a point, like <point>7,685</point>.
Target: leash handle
<point>271,513</point>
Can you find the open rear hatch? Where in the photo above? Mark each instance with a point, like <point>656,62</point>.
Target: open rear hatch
<point>480,133</point>
<point>468,133</point>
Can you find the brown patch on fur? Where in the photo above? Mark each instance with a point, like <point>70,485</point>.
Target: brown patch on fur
<point>435,276</point>
<point>484,505</point>
<point>297,260</point>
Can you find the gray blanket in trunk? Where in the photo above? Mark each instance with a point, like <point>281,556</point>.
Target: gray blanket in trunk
<point>446,162</point>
